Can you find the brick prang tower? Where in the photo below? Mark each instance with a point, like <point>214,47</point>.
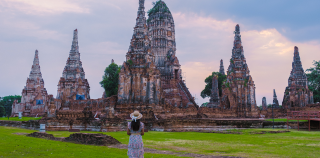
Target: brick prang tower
<point>238,91</point>
<point>139,79</point>
<point>73,85</point>
<point>161,30</point>
<point>297,93</point>
<point>34,95</point>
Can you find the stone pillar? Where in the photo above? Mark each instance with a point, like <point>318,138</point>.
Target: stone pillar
<point>42,127</point>
<point>214,100</point>
<point>20,115</point>
<point>264,103</point>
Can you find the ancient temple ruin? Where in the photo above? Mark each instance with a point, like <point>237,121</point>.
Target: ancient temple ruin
<point>221,70</point>
<point>264,103</point>
<point>34,96</point>
<point>238,91</point>
<point>297,93</point>
<point>163,46</point>
<point>73,85</point>
<point>214,98</point>
<point>139,79</point>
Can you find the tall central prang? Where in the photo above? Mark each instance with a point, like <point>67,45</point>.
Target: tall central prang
<point>72,84</point>
<point>161,30</point>
<point>139,80</point>
<point>239,89</point>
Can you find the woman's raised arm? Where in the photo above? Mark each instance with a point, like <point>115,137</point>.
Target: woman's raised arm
<point>128,131</point>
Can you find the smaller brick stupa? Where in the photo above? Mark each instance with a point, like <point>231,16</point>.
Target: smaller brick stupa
<point>34,95</point>
<point>275,103</point>
<point>221,70</point>
<point>297,93</point>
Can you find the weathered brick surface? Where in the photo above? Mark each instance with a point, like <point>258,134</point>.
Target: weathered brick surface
<point>73,82</point>
<point>161,31</point>
<point>35,98</point>
<point>297,93</point>
<point>238,91</point>
<point>214,98</point>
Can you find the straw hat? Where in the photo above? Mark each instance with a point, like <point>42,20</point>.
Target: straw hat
<point>136,115</point>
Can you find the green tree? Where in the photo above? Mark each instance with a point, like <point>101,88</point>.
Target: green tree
<point>2,111</point>
<point>314,80</point>
<point>207,90</point>
<point>110,79</point>
<point>7,101</point>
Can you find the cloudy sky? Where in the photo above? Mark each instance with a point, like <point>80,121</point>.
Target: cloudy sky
<point>204,35</point>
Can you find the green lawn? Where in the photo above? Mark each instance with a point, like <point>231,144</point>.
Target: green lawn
<point>17,146</point>
<point>285,120</point>
<point>17,118</point>
<point>292,144</point>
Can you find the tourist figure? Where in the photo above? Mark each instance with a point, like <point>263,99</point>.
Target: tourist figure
<point>135,131</point>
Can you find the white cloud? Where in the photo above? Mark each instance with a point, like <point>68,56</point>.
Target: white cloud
<point>41,7</point>
<point>268,53</point>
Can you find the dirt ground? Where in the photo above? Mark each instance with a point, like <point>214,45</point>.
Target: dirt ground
<point>155,151</point>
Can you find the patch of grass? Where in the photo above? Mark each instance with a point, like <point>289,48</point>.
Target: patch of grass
<point>17,118</point>
<point>291,144</point>
<point>13,145</point>
<point>285,120</point>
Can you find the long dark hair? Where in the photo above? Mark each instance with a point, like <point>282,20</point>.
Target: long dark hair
<point>135,125</point>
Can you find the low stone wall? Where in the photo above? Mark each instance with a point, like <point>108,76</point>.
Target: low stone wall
<point>162,125</point>
<point>205,124</point>
<point>32,124</point>
<point>292,125</point>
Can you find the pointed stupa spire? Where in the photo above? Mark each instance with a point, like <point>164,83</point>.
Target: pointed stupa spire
<point>35,69</point>
<point>237,51</point>
<point>140,38</point>
<point>296,64</point>
<point>275,99</point>
<point>75,40</point>
<point>141,19</point>
<point>297,75</point>
<point>73,63</point>
<point>221,67</point>
<point>74,52</point>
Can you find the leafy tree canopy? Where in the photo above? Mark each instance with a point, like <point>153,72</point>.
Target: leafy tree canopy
<point>314,80</point>
<point>207,90</point>
<point>110,79</point>
<point>6,104</point>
